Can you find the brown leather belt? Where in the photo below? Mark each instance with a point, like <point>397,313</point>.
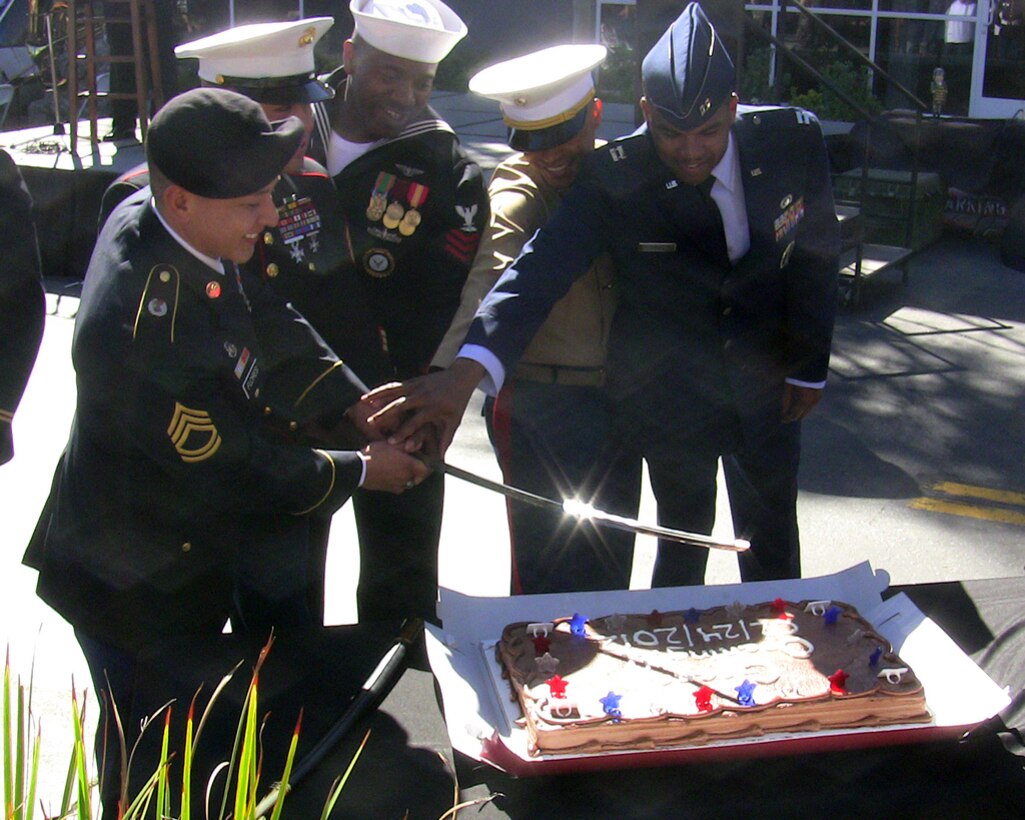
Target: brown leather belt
<point>560,374</point>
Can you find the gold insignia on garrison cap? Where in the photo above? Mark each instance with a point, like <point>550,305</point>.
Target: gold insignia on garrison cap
<point>193,434</point>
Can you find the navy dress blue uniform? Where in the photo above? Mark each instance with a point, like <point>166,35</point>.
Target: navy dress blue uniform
<point>699,348</point>
<point>416,205</point>
<point>22,299</point>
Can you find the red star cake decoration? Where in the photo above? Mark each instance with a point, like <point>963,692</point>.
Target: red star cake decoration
<point>557,686</point>
<point>837,681</point>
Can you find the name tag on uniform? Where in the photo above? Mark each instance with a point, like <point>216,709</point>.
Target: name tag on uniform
<point>656,247</point>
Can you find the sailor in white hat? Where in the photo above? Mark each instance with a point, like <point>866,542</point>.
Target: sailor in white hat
<point>416,205</point>
<point>552,412</point>
<point>388,68</point>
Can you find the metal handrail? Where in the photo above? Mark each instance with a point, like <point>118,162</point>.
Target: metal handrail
<point>919,106</point>
<point>853,50</point>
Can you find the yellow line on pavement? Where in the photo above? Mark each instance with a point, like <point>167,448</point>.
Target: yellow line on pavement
<point>969,511</point>
<point>984,493</point>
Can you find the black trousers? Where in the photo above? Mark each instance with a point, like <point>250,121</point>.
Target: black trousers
<point>762,485</point>
<point>398,552</point>
<point>556,441</point>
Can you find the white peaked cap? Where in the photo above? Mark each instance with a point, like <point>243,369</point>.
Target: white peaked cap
<point>544,88</point>
<point>258,50</point>
<point>424,31</point>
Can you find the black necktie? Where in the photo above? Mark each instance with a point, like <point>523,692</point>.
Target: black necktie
<point>717,235</point>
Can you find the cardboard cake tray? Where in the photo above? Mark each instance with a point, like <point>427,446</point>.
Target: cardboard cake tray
<point>481,714</point>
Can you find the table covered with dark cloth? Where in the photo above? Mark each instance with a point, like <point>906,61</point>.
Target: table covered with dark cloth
<point>408,768</point>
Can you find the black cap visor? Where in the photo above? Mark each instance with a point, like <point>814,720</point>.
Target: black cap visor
<point>541,139</point>
<point>300,88</point>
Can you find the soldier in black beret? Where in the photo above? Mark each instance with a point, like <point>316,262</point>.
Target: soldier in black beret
<point>196,385</point>
<point>22,299</point>
<point>722,229</point>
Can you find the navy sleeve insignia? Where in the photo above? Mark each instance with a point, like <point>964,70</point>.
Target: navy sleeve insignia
<point>193,434</point>
<point>467,213</point>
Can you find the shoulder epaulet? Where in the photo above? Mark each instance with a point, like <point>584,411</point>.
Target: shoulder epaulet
<point>776,115</point>
<point>624,163</point>
<point>158,305</point>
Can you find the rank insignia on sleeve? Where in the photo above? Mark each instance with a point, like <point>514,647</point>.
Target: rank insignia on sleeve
<point>193,434</point>
<point>461,245</point>
<point>467,213</point>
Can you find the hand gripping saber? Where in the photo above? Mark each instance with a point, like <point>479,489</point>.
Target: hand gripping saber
<point>586,512</point>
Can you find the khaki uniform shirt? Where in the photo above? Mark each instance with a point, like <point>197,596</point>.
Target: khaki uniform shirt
<point>575,335</point>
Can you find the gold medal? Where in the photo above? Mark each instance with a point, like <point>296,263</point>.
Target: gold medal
<point>409,222</point>
<point>393,215</point>
<point>375,210</point>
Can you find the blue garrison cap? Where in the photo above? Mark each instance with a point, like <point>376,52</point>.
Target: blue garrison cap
<point>687,74</point>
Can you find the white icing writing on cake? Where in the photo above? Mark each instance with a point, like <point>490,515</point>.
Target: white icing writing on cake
<point>775,634</point>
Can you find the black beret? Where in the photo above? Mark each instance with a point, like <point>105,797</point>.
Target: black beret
<point>218,144</point>
<point>687,74</point>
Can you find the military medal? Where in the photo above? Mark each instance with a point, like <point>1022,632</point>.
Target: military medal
<point>393,215</point>
<point>379,196</point>
<point>298,220</point>
<point>375,210</point>
<point>411,220</point>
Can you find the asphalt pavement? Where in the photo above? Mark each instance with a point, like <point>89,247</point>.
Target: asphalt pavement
<point>914,460</point>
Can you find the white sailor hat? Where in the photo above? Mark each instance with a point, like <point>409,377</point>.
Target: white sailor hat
<point>544,95</point>
<point>268,62</point>
<point>424,31</point>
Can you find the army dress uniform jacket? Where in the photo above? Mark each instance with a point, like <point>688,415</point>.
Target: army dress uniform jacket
<point>699,348</point>
<point>416,207</point>
<point>189,389</point>
<point>571,343</point>
<point>22,299</point>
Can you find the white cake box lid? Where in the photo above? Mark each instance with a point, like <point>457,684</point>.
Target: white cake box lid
<point>480,713</point>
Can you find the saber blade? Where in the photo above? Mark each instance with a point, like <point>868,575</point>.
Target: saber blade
<point>586,512</point>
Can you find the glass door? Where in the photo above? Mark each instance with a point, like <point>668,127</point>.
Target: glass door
<point>998,79</point>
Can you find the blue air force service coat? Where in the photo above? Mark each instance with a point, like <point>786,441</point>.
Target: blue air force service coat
<point>699,348</point>
<point>190,393</point>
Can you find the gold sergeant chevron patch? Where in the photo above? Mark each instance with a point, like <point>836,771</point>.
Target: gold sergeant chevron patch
<point>193,434</point>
